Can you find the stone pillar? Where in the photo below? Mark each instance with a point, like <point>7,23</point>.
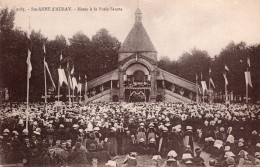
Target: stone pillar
<point>153,92</point>
<point>121,85</point>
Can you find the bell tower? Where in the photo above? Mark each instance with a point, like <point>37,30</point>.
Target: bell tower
<point>138,15</point>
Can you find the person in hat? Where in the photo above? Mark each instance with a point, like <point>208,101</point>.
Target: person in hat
<point>112,146</point>
<point>77,157</point>
<point>50,158</point>
<point>197,159</point>
<point>174,141</point>
<point>141,147</point>
<point>188,138</point>
<point>163,142</point>
<point>141,133</point>
<point>16,154</point>
<point>90,138</point>
<point>171,160</point>
<point>92,151</point>
<point>152,148</point>
<point>151,132</point>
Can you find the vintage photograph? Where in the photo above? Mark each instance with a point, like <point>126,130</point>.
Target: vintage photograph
<point>130,83</point>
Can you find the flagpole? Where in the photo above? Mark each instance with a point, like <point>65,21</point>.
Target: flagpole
<point>197,97</point>
<point>58,90</point>
<point>80,95</point>
<point>247,88</point>
<point>225,90</point>
<point>28,83</point>
<point>73,96</point>
<point>209,87</point>
<point>45,84</point>
<point>69,85</point>
<point>27,99</point>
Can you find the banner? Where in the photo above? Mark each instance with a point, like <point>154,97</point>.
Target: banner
<point>204,86</point>
<point>248,78</point>
<point>225,77</point>
<point>211,81</point>
<point>46,65</point>
<point>74,83</point>
<point>62,76</point>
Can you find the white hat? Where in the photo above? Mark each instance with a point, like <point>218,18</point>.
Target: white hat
<point>172,153</point>
<point>165,128</point>
<point>230,139</point>
<point>152,140</point>
<point>142,140</point>
<point>111,163</point>
<point>96,128</point>
<point>241,140</point>
<point>75,126</point>
<point>227,148</point>
<point>258,145</point>
<point>156,157</point>
<point>189,128</point>
<point>113,129</point>
<point>229,154</point>
<point>186,156</point>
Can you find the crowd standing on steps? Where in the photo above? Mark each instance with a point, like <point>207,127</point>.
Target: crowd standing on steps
<point>91,134</point>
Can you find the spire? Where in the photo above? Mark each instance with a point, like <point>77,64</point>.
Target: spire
<point>138,15</point>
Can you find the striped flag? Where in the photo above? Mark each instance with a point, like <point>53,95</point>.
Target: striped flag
<point>248,78</point>
<point>74,83</point>
<point>29,64</point>
<point>204,86</point>
<point>248,62</point>
<point>62,76</point>
<point>28,61</point>
<point>211,81</point>
<point>225,77</point>
<point>46,65</point>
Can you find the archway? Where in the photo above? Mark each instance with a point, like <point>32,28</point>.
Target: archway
<point>137,96</point>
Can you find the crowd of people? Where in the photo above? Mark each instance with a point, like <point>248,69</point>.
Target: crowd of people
<point>95,134</point>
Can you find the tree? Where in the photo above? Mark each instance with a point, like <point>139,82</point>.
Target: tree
<point>193,63</point>
<point>105,52</point>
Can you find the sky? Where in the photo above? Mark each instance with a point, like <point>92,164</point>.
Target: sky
<point>174,26</point>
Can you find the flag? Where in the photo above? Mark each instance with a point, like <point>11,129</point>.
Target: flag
<point>44,49</point>
<point>201,76</point>
<point>46,65</point>
<point>248,78</point>
<point>29,64</point>
<point>225,77</point>
<point>72,71</point>
<point>74,83</point>
<point>196,77</point>
<point>226,68</point>
<point>62,76</point>
<point>248,61</point>
<point>209,71</point>
<point>61,56</point>
<point>211,81</point>
<point>79,87</point>
<point>204,86</point>
<point>86,83</point>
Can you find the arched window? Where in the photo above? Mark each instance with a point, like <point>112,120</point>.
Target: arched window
<point>139,76</point>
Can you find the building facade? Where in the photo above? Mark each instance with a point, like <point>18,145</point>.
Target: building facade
<point>138,77</point>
